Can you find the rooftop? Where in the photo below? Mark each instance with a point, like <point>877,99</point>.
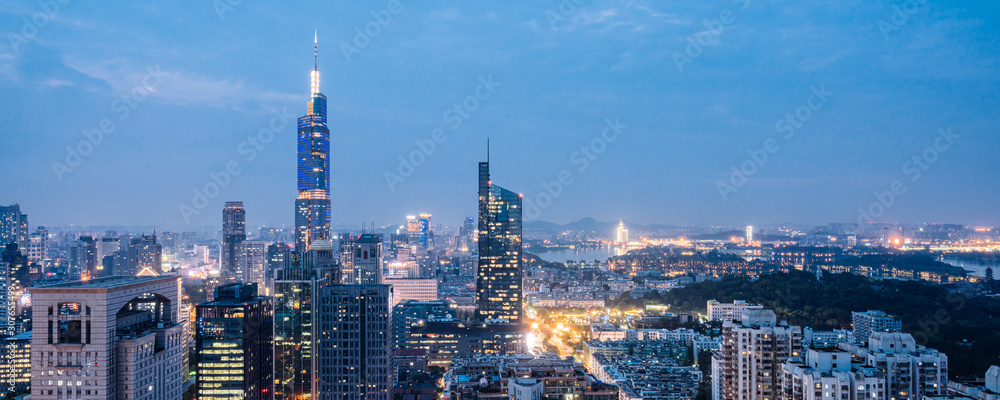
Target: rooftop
<point>108,283</point>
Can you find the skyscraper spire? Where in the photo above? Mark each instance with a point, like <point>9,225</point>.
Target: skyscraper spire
<point>314,75</point>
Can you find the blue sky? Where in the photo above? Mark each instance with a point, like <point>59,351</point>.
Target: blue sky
<point>221,72</point>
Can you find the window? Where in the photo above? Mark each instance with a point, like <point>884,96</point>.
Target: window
<point>69,308</point>
<point>70,332</point>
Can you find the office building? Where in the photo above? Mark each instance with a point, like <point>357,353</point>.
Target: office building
<point>355,349</point>
<point>467,235</point>
<point>312,207</point>
<point>12,268</point>
<point>729,311</point>
<point>13,226</point>
<point>83,258</point>
<point>234,233</point>
<point>413,289</point>
<point>253,262</point>
<point>15,363</point>
<point>234,344</point>
<point>361,259</point>
<point>753,352</point>
<point>418,231</point>
<point>296,316</point>
<point>106,246</point>
<point>445,339</point>
<point>38,245</point>
<point>499,291</point>
<point>871,321</point>
<point>116,337</point>
<point>144,257</point>
<point>411,312</point>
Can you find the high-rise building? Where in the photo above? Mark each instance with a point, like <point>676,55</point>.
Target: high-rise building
<point>499,289</point>
<point>15,361</point>
<point>106,246</point>
<point>418,229</point>
<point>38,245</point>
<point>296,317</point>
<point>871,321</point>
<point>279,256</point>
<point>827,374</point>
<point>621,234</point>
<point>116,337</point>
<point>467,234</point>
<point>144,256</point>
<point>80,253</point>
<point>312,207</point>
<point>413,289</point>
<point>235,345</point>
<point>361,260</point>
<point>749,234</point>
<point>12,268</point>
<point>13,226</point>
<point>355,349</point>
<point>911,371</point>
<point>753,351</point>
<point>234,233</point>
<point>253,262</point>
<point>411,312</point>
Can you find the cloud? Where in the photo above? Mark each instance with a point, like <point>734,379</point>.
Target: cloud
<point>178,87</point>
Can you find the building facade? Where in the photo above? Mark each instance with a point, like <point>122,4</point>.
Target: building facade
<point>499,291</point>
<point>729,311</point>
<point>234,344</point>
<point>312,206</point>
<point>295,335</point>
<point>13,226</point>
<point>234,233</point>
<point>753,351</point>
<point>116,337</point>
<point>871,321</point>
<point>355,346</point>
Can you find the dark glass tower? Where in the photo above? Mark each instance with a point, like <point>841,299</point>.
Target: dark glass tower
<point>312,207</point>
<point>498,283</point>
<point>234,233</point>
<point>235,345</point>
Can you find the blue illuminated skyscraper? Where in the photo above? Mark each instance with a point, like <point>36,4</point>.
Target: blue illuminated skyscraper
<point>312,207</point>
<point>498,281</point>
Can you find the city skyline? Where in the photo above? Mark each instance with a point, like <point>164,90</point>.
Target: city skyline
<point>872,93</point>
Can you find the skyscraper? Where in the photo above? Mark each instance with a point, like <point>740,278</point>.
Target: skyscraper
<point>144,256</point>
<point>235,344</point>
<point>234,233</point>
<point>621,234</point>
<point>295,321</point>
<point>312,207</point>
<point>498,283</point>
<point>753,350</point>
<point>253,262</point>
<point>83,257</point>
<point>355,348</point>
<point>361,260</point>
<point>38,245</point>
<point>117,337</point>
<point>13,226</point>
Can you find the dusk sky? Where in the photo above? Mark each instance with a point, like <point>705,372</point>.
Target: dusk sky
<point>697,88</point>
